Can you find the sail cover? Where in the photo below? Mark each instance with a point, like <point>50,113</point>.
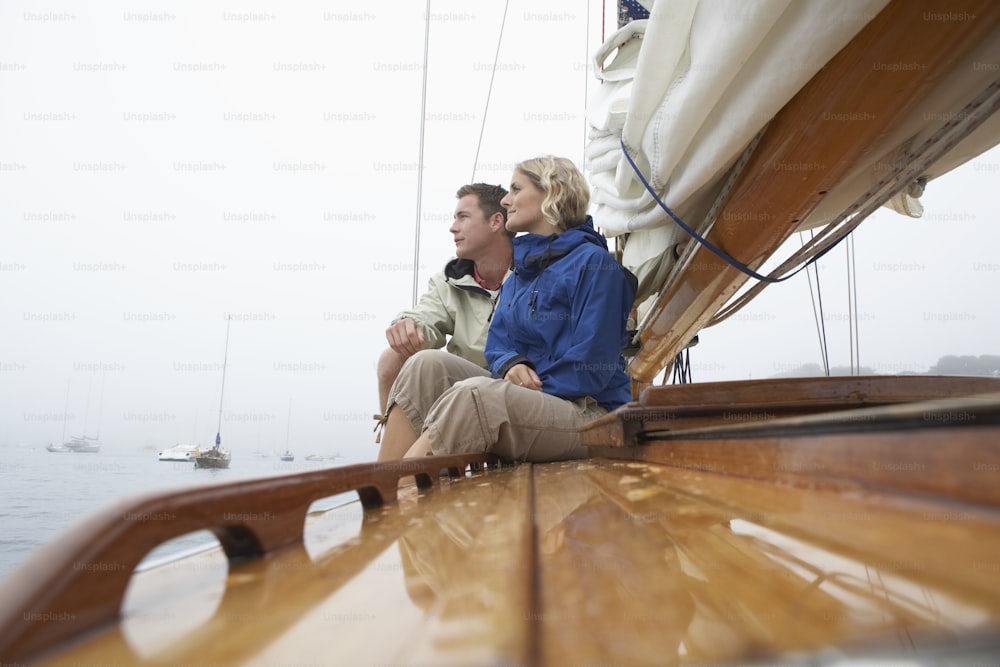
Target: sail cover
<point>690,87</point>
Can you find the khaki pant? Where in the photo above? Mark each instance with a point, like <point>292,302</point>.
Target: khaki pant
<point>464,410</point>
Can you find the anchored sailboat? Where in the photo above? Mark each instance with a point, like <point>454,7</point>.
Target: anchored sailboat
<point>217,457</point>
<point>80,443</point>
<point>60,447</point>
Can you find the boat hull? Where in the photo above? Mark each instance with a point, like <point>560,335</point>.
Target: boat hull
<point>83,446</point>
<point>212,459</point>
<point>178,453</point>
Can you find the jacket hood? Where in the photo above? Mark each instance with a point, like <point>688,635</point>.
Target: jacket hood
<point>534,252</point>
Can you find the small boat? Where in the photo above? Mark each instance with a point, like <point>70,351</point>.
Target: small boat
<point>177,453</point>
<point>57,447</point>
<point>83,444</point>
<point>288,456</point>
<point>216,457</point>
<point>314,457</point>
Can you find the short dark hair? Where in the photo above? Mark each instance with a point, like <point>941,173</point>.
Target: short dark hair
<point>489,198</point>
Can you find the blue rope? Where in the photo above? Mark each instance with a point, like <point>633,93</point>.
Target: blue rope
<point>700,239</point>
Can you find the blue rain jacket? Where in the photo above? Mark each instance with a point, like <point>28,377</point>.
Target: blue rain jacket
<point>564,312</point>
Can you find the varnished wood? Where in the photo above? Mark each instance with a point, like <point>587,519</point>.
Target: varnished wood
<point>441,577</point>
<point>692,406</point>
<point>601,562</point>
<point>76,584</point>
<point>808,149</point>
<point>947,447</point>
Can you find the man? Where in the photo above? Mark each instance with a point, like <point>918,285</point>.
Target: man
<point>459,301</point>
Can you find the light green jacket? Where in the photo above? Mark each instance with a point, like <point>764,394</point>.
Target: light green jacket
<point>455,305</point>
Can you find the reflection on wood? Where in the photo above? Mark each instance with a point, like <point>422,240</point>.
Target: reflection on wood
<point>80,579</point>
<point>684,407</point>
<point>604,561</point>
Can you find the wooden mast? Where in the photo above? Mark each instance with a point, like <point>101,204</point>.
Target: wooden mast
<point>811,130</point>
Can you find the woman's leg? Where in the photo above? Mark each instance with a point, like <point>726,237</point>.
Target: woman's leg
<point>516,423</point>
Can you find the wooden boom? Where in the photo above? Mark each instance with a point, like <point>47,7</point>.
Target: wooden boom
<point>810,130</point>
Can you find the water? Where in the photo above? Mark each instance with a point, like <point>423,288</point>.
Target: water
<point>44,493</point>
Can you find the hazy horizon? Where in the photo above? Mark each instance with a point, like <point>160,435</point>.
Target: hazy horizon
<point>164,170</point>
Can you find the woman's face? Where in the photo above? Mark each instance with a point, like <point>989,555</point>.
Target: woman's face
<point>524,207</point>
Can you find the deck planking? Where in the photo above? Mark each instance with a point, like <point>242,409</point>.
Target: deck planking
<point>587,562</point>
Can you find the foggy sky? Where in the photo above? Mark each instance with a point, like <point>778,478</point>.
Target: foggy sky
<point>164,169</point>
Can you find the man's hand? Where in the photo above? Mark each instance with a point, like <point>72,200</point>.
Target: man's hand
<point>523,376</point>
<point>405,337</point>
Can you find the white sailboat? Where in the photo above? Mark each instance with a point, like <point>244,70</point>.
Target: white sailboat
<point>178,452</point>
<point>84,444</point>
<point>81,443</point>
<point>288,455</point>
<point>60,447</point>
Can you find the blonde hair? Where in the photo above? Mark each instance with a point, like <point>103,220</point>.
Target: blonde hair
<point>566,192</point>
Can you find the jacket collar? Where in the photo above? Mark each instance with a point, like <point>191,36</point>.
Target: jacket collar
<point>533,253</point>
<point>459,268</point>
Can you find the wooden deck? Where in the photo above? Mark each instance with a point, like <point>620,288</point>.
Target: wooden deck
<point>600,561</point>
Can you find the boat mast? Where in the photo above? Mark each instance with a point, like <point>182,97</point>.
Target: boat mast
<point>86,410</point>
<point>420,158</point>
<point>288,427</point>
<point>225,357</point>
<point>65,414</point>
<point>100,408</point>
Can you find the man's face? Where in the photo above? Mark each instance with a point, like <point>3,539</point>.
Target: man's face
<point>471,229</point>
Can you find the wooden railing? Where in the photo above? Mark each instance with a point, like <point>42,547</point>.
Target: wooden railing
<point>76,583</point>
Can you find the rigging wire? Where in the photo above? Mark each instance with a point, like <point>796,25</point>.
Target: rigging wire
<point>851,313</point>
<point>682,367</point>
<point>586,86</point>
<point>854,283</point>
<point>420,157</point>
<point>489,92</point>
<point>822,318</point>
<point>812,299</point>
<point>906,172</point>
<point>222,390</point>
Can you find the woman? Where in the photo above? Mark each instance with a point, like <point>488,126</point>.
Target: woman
<point>555,339</point>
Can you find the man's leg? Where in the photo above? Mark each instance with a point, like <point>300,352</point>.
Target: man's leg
<point>388,368</point>
<point>422,379</point>
<point>397,437</point>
